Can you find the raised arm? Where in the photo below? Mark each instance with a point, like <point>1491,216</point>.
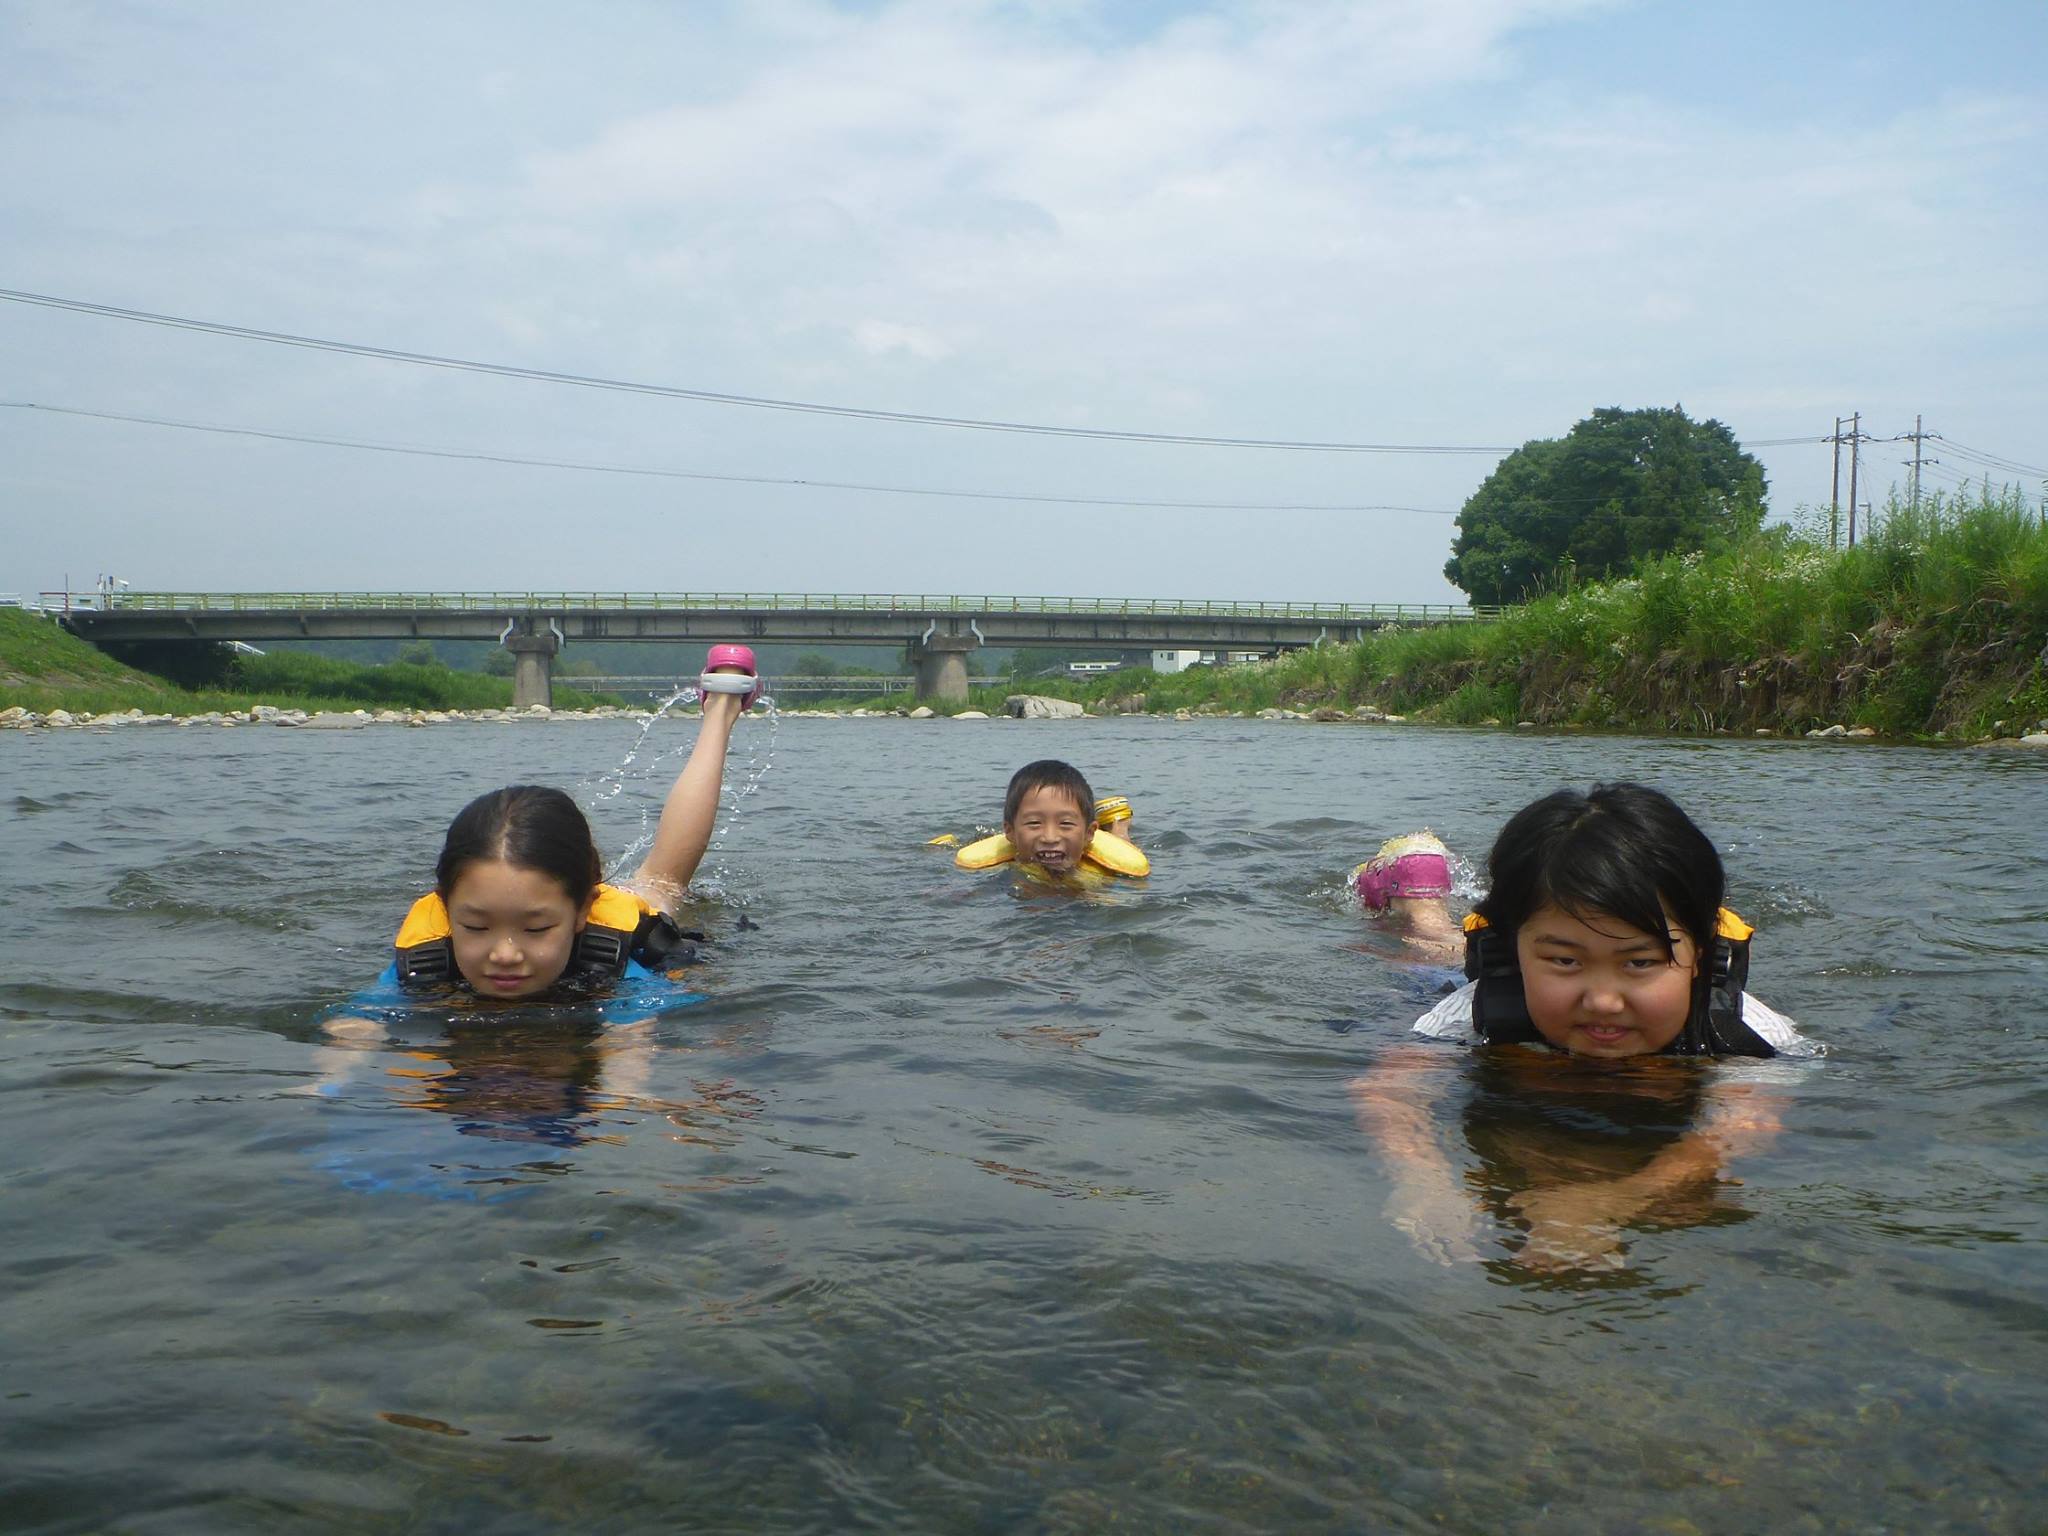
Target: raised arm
<point>691,810</point>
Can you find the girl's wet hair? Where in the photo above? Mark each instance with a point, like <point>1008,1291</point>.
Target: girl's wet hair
<point>1625,851</point>
<point>1048,773</point>
<point>529,826</point>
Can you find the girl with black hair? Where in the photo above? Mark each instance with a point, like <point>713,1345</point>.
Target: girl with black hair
<point>520,914</point>
<point>1603,938</point>
<point>1603,934</point>
<point>519,901</point>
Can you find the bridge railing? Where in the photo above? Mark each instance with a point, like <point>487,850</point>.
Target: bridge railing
<point>909,605</point>
<point>792,683</point>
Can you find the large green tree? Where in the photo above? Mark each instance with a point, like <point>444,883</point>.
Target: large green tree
<point>1620,486</point>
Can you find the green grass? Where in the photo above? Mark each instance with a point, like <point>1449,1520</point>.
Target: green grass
<point>43,667</point>
<point>33,649</point>
<point>399,685</point>
<point>1935,626</point>
<point>1932,626</point>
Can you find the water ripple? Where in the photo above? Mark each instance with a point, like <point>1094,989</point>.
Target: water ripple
<point>954,1206</point>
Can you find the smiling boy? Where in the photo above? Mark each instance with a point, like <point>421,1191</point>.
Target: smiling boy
<point>1049,816</point>
<point>1052,824</point>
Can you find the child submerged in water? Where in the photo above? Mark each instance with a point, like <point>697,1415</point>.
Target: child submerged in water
<point>1603,935</point>
<point>1408,883</point>
<point>520,914</point>
<point>1603,938</point>
<point>519,902</point>
<point>1053,825</point>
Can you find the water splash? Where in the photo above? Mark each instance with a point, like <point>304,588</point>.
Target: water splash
<point>1468,884</point>
<point>610,785</point>
<point>741,782</point>
<point>748,761</point>
<point>1468,880</point>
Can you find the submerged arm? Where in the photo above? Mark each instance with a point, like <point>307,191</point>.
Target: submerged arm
<point>336,1056</point>
<point>1395,1103</point>
<point>1572,1223</point>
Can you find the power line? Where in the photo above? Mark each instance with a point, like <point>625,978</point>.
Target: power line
<point>479,457</point>
<point>1965,470</point>
<point>1962,480</point>
<point>1959,483</point>
<point>718,397</point>
<point>1981,456</point>
<point>1993,460</point>
<point>484,456</point>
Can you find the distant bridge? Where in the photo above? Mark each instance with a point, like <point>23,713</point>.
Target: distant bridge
<point>939,630</point>
<point>782,685</point>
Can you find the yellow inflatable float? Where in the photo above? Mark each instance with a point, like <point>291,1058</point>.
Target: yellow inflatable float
<point>1105,849</point>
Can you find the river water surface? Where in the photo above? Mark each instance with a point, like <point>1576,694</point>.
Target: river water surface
<point>954,1208</point>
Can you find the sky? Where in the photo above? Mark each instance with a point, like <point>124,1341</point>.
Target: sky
<point>1457,224</point>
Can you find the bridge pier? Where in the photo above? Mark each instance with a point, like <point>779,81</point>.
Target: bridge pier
<point>533,669</point>
<point>940,662</point>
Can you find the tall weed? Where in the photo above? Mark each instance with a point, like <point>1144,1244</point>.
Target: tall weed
<point>1935,623</point>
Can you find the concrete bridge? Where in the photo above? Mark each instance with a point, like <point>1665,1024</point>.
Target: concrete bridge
<point>784,686</point>
<point>940,631</point>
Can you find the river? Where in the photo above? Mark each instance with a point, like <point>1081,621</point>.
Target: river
<point>949,1210</point>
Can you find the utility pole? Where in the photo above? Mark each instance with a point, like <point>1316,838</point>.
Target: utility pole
<point>1917,460</point>
<point>1835,491</point>
<point>1855,453</point>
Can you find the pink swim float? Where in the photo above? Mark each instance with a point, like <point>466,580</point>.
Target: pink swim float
<point>1417,866</point>
<point>714,681</point>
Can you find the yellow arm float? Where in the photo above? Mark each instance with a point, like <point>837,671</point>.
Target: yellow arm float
<point>1117,856</point>
<point>986,854</point>
<point>1105,849</point>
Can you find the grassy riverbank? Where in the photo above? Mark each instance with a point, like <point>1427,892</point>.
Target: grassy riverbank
<point>1935,627</point>
<point>44,667</point>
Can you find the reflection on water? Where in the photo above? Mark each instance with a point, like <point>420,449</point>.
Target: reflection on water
<point>1570,1159</point>
<point>555,1077</point>
<point>521,1083</point>
<point>1549,1166</point>
<point>945,1210</point>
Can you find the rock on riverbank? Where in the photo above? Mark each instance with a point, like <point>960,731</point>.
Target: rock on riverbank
<point>1038,706</point>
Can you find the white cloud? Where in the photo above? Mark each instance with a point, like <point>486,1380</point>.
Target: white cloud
<point>1316,220</point>
<point>879,337</point>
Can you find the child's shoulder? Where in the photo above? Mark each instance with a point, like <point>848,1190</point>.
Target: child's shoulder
<point>1451,1018</point>
<point>1779,1032</point>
